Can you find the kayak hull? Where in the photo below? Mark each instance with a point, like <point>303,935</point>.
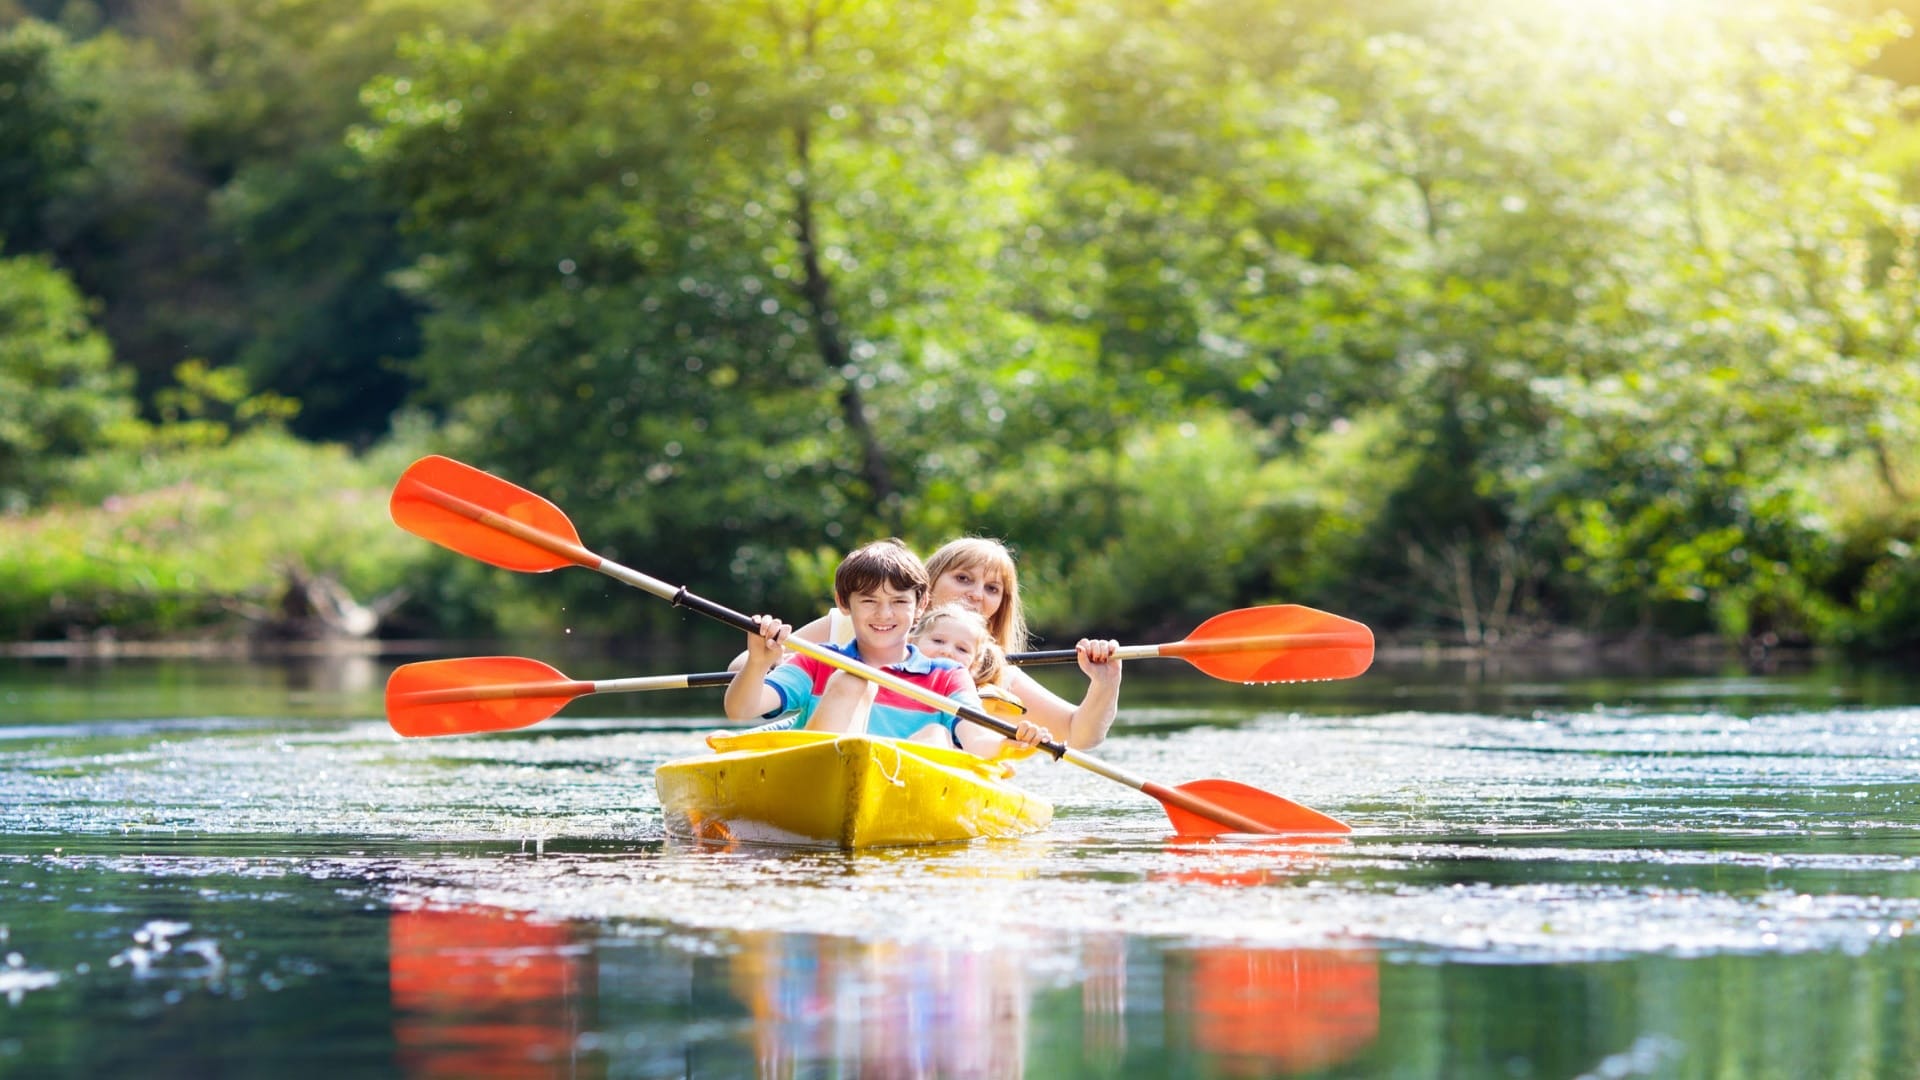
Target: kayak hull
<point>818,789</point>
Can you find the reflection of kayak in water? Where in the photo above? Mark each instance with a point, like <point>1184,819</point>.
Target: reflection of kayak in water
<point>824,1005</point>
<point>821,789</point>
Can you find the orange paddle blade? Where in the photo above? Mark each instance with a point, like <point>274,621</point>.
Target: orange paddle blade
<point>1279,815</point>
<point>457,506</point>
<point>484,693</point>
<point>1277,643</point>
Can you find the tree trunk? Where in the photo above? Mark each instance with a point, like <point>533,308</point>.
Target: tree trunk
<point>316,607</point>
<point>817,291</point>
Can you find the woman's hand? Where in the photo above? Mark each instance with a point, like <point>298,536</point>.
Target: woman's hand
<point>1099,659</point>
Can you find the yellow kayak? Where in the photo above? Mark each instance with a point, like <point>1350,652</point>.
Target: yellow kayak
<point>819,789</point>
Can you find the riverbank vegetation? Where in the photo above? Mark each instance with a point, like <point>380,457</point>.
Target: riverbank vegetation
<point>1484,319</point>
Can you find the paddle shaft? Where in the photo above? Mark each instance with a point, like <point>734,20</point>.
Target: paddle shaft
<point>679,596</point>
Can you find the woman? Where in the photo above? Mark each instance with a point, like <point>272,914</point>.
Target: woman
<point>978,573</point>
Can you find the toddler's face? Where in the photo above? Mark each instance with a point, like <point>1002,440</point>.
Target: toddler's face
<point>944,639</point>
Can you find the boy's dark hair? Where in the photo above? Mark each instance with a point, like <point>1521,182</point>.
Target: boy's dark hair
<point>884,562</point>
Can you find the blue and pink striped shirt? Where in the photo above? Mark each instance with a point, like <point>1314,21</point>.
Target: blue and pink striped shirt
<point>800,679</point>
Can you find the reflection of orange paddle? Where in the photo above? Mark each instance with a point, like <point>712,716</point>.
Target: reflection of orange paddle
<point>1294,1010</point>
<point>1262,860</point>
<point>480,515</point>
<point>480,993</point>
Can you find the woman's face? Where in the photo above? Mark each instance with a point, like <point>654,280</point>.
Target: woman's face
<point>978,589</point>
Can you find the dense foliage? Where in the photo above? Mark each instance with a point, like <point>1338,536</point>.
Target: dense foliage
<point>1479,317</point>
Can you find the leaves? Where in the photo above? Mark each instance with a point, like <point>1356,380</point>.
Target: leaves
<point>1469,314</point>
<point>60,394</point>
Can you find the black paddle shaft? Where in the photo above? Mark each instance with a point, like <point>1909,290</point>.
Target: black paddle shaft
<point>682,597</point>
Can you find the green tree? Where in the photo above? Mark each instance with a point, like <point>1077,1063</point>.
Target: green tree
<point>1763,336</point>
<point>314,246</point>
<point>60,392</point>
<point>842,248</point>
<point>1657,237</point>
<point>44,131</point>
<point>677,255</point>
<point>130,225</point>
<point>211,203</point>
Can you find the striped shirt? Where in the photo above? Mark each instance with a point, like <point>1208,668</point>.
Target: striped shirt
<point>800,679</point>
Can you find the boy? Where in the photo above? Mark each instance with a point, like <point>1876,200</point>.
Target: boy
<point>882,587</point>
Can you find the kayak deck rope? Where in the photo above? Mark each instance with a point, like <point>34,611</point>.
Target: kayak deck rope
<point>898,765</point>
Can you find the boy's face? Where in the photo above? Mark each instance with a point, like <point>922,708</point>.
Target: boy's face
<point>882,619</point>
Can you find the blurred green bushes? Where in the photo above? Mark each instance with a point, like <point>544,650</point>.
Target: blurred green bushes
<point>1478,321</point>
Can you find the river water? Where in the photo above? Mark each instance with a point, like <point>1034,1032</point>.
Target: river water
<point>214,868</point>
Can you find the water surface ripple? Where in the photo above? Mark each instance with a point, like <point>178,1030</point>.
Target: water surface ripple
<point>1538,837</point>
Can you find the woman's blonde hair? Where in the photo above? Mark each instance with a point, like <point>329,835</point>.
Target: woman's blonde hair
<point>978,553</point>
<point>989,662</point>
